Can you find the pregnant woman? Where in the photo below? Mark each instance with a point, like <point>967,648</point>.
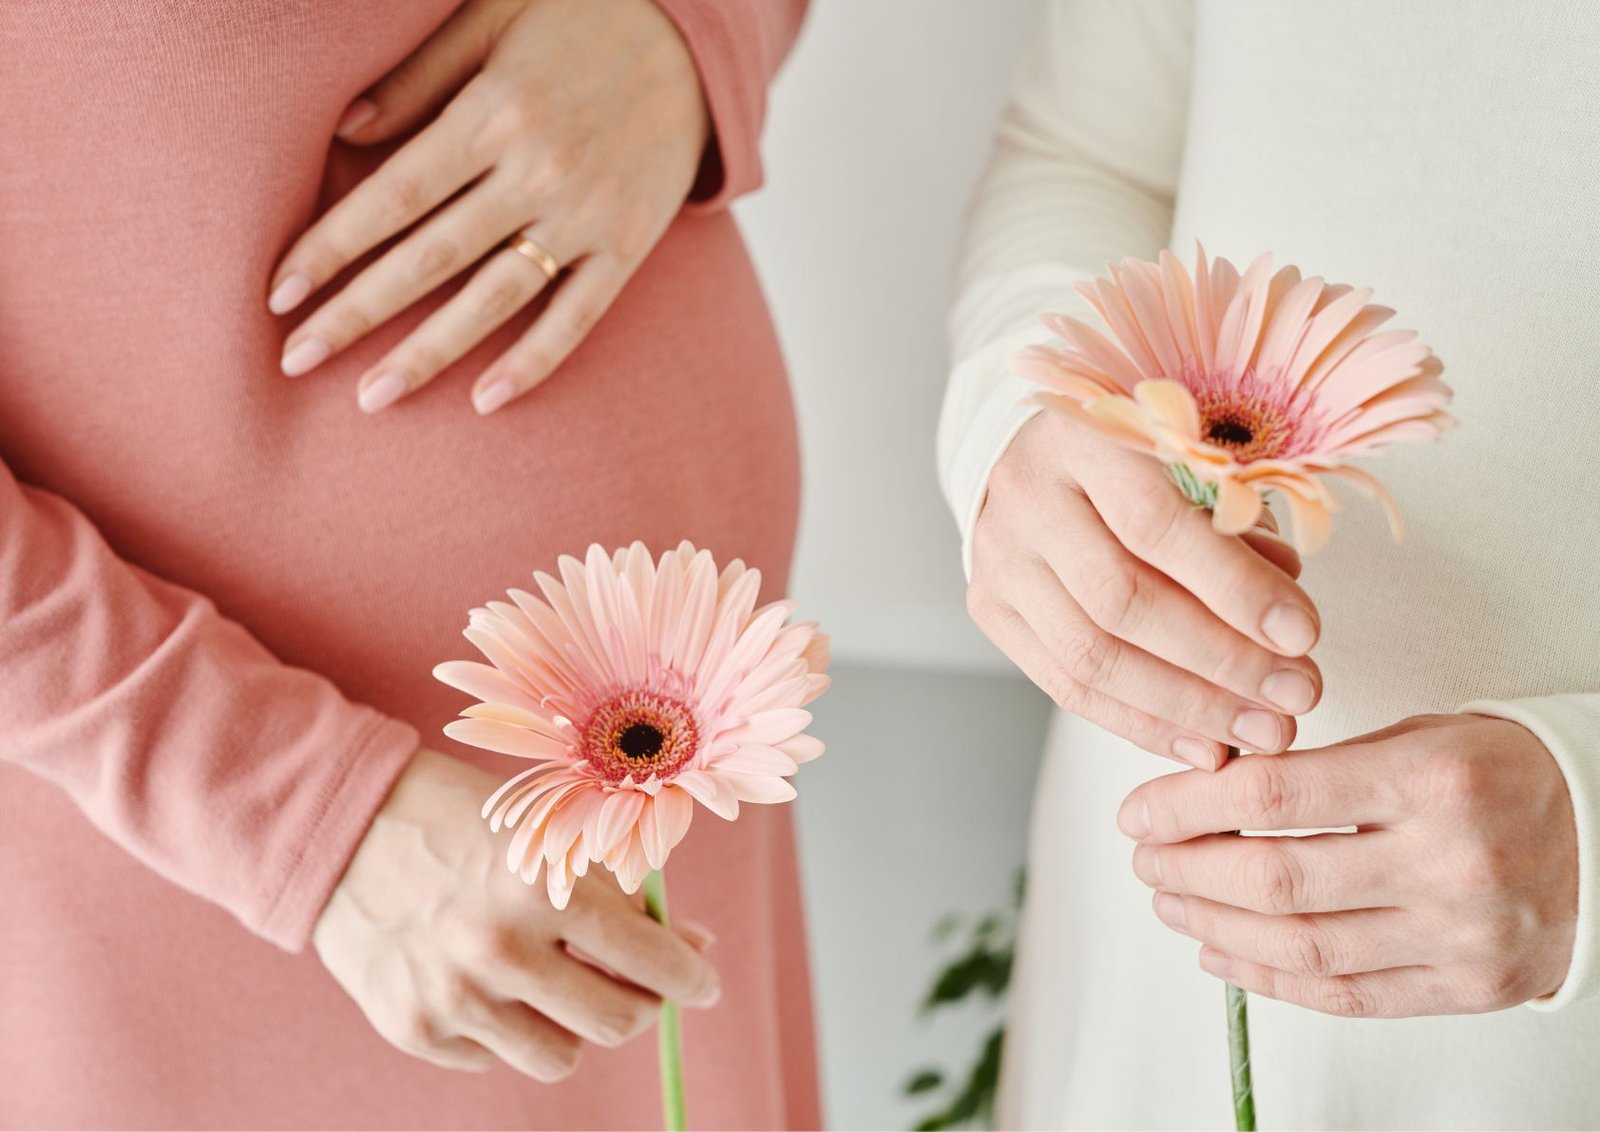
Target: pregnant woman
<point>320,324</point>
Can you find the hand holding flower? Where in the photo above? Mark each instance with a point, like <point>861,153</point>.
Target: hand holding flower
<point>1456,894</point>
<point>454,961</point>
<point>1120,600</point>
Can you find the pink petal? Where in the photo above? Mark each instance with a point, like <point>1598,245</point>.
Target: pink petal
<point>770,726</point>
<point>492,735</point>
<point>1169,405</point>
<point>674,812</point>
<point>802,748</point>
<point>617,816</point>
<point>1238,507</point>
<point>754,758</point>
<point>711,791</point>
<point>759,788</point>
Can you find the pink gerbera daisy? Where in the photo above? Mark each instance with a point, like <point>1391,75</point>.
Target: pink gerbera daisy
<point>636,687</point>
<point>1244,384</point>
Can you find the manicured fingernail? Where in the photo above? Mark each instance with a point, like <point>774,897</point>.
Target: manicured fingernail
<point>710,996</point>
<point>289,293</point>
<point>1134,818</point>
<point>1257,730</point>
<point>1147,865</point>
<point>1169,910</point>
<point>305,357</point>
<point>1214,962</point>
<point>1290,627</point>
<point>1290,691</point>
<point>384,391</point>
<point>1196,752</point>
<point>491,397</point>
<point>359,113</point>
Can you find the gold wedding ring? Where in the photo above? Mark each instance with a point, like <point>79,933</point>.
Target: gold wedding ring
<point>537,254</point>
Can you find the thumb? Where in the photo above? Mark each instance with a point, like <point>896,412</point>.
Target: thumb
<point>424,80</point>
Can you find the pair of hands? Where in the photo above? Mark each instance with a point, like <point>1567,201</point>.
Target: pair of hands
<point>584,126</point>
<point>1458,891</point>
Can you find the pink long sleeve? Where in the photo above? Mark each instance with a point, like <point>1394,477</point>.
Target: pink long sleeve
<point>174,730</point>
<point>737,46</point>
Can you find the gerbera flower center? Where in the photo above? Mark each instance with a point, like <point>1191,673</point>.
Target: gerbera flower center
<point>640,732</point>
<point>1249,424</point>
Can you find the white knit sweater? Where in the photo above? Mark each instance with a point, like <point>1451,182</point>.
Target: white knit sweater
<point>1446,153</point>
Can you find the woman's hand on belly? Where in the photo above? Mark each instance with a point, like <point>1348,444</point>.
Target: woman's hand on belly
<point>456,961</point>
<point>581,126</point>
<point>1116,596</point>
<point>1457,894</point>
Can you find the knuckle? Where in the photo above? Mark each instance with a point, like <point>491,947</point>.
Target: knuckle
<point>1494,988</point>
<point>412,1032</point>
<point>494,947</point>
<point>503,299</point>
<point>574,324</point>
<point>1484,867</point>
<point>1087,654</point>
<point>1009,476</point>
<point>620,1027</point>
<point>1307,952</point>
<point>1116,596</point>
<point>1276,880</point>
<point>400,198</point>
<point>457,996</point>
<point>349,322</point>
<point>1456,783</point>
<point>980,603</point>
<point>1065,692</point>
<point>1152,516</point>
<point>1261,792</point>
<point>1346,998</point>
<point>433,259</point>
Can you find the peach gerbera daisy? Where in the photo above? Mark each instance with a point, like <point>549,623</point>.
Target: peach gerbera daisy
<point>1244,384</point>
<point>637,688</point>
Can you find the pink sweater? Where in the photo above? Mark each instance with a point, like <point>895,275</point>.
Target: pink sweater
<point>209,572</point>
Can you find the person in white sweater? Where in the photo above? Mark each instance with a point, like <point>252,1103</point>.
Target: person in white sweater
<point>1436,963</point>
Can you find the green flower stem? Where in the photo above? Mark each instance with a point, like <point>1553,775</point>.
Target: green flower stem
<point>671,1029</point>
<point>1244,1098</point>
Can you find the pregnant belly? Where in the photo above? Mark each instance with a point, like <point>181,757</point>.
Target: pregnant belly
<point>355,545</point>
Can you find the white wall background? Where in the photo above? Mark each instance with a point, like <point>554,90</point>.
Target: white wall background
<point>879,126</point>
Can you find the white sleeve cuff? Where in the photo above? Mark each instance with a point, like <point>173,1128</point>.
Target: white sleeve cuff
<point>1569,725</point>
<point>967,456</point>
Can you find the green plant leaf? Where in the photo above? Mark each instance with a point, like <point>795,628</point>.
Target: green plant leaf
<point>924,1081</point>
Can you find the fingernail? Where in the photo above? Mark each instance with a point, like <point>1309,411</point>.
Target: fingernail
<point>1214,962</point>
<point>1147,865</point>
<point>1169,910</point>
<point>1290,627</point>
<point>305,357</point>
<point>1257,730</point>
<point>697,935</point>
<point>709,997</point>
<point>1290,691</point>
<point>359,113</point>
<point>490,398</point>
<point>1195,752</point>
<point>1134,818</point>
<point>289,293</point>
<point>383,392</point>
